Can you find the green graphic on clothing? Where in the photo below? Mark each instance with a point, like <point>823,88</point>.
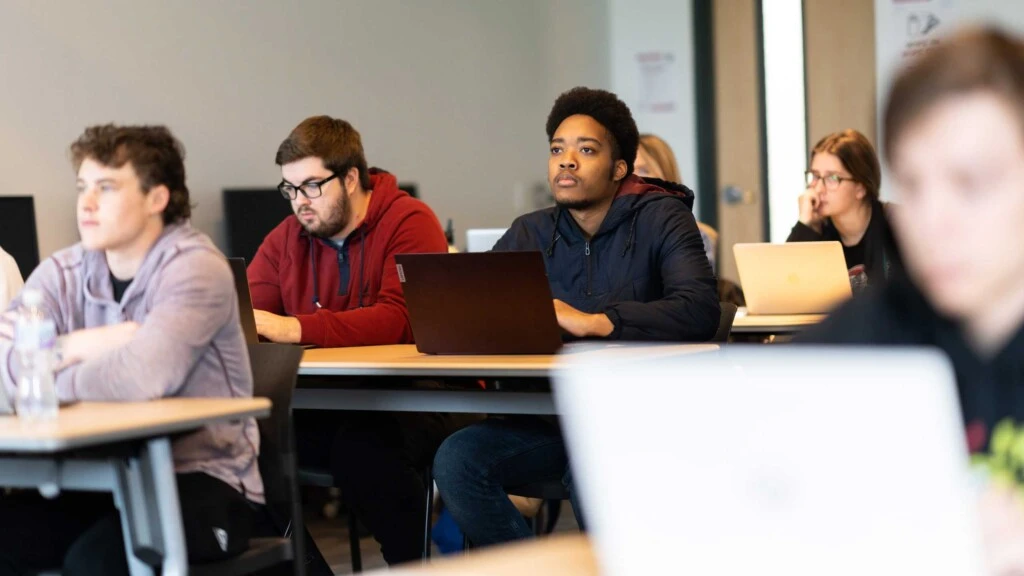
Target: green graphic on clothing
<point>1004,460</point>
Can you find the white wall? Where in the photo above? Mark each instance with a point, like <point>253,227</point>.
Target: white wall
<point>450,94</point>
<point>658,27</point>
<point>785,112</point>
<point>904,29</point>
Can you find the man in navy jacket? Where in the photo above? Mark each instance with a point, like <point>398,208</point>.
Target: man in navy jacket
<point>625,261</point>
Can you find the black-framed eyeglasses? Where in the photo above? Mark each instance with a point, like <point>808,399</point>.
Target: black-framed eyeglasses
<point>832,181</point>
<point>309,189</point>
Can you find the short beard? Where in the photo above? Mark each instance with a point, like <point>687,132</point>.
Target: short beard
<point>335,223</point>
<point>580,204</point>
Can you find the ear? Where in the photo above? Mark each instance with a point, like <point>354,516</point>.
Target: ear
<point>619,172</point>
<point>351,180</point>
<point>862,192</point>
<point>157,199</point>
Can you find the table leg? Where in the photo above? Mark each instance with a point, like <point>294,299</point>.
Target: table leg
<point>146,492</point>
<point>164,497</point>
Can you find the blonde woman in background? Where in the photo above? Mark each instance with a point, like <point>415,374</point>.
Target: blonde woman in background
<point>654,159</point>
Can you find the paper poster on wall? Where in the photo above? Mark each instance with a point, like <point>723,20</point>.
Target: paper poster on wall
<point>659,80</point>
<point>912,27</point>
<point>906,28</point>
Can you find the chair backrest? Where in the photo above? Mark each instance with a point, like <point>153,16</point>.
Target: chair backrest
<point>274,369</point>
<point>725,322</point>
<point>710,237</point>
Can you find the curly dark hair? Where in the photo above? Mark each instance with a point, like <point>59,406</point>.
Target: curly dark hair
<point>154,153</point>
<point>335,142</point>
<point>608,111</point>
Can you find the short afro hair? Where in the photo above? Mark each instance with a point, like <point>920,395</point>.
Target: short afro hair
<point>608,111</point>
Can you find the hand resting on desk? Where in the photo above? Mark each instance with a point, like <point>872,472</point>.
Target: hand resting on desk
<point>280,329</point>
<point>581,324</point>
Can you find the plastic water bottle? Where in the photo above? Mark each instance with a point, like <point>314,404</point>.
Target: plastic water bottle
<point>35,339</point>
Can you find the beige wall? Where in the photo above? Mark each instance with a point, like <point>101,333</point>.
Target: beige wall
<point>451,94</point>
<point>839,42</point>
<point>738,125</point>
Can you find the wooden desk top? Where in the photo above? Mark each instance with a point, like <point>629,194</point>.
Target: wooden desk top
<point>776,323</point>
<point>565,555</point>
<point>92,423</point>
<point>404,360</point>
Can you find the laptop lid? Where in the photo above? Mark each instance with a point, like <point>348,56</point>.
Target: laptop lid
<point>792,278</point>
<point>483,239</point>
<point>484,303</point>
<point>772,460</point>
<point>245,313</point>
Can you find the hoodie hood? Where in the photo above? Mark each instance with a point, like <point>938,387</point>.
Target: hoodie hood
<point>635,193</point>
<point>175,239</point>
<point>385,194</point>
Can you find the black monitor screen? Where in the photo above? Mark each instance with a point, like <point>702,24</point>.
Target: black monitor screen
<point>409,188</point>
<point>18,231</point>
<point>251,213</point>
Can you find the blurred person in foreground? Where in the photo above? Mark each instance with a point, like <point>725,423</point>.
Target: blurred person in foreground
<point>954,140</point>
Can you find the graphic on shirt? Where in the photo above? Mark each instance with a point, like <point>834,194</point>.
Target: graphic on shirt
<point>1003,458</point>
<point>222,538</point>
<point>858,279</point>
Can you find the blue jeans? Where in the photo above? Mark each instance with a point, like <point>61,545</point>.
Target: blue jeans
<point>475,465</point>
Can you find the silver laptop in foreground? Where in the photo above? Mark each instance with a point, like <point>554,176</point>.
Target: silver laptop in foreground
<point>792,278</point>
<point>772,460</point>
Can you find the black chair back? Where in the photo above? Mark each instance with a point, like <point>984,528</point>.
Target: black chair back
<point>725,322</point>
<point>275,368</point>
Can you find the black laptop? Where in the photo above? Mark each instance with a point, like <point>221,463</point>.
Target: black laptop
<point>245,313</point>
<point>483,303</point>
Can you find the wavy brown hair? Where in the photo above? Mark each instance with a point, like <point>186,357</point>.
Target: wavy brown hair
<point>858,156</point>
<point>157,157</point>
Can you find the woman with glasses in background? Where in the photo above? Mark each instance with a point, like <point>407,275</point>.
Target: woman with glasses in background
<point>841,203</point>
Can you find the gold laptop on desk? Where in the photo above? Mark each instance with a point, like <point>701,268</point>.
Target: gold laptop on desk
<point>792,278</point>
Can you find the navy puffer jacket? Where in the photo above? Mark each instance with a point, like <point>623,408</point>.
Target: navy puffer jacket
<point>645,268</point>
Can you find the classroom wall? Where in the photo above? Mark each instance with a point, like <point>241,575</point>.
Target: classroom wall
<point>652,70</point>
<point>839,44</point>
<point>449,94</point>
<point>904,29</point>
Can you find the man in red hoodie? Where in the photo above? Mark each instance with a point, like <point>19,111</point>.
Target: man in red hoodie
<point>327,277</point>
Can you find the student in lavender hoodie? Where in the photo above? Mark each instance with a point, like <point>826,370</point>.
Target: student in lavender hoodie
<point>146,308</point>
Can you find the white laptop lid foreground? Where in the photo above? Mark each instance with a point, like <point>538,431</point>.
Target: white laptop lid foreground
<point>772,460</point>
<point>483,239</point>
<point>792,278</point>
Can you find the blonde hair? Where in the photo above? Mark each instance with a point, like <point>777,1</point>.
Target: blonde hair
<point>661,153</point>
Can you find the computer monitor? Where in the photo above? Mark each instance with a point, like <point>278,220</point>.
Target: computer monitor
<point>483,239</point>
<point>18,235</point>
<point>249,215</point>
<point>410,188</point>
